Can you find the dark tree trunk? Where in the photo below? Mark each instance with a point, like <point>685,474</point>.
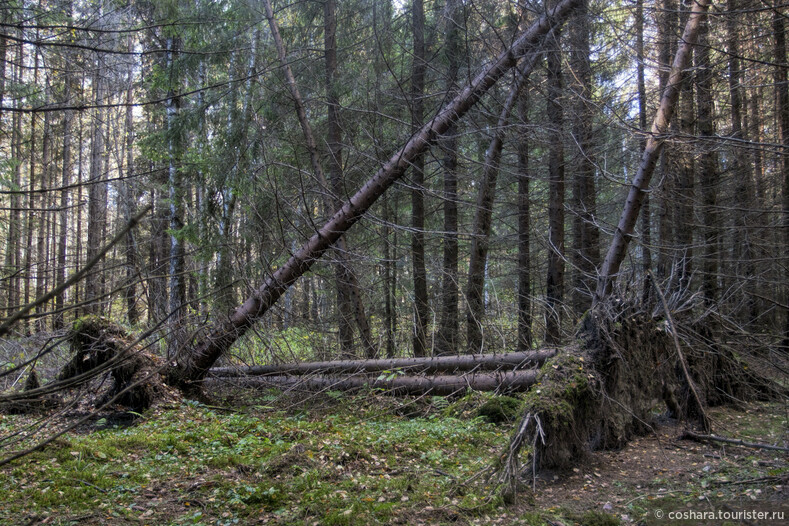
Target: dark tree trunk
<point>177,292</point>
<point>32,201</point>
<point>782,101</point>
<point>63,215</point>
<point>684,198</point>
<point>421,306</point>
<point>554,286</point>
<point>193,363</point>
<point>525,337</point>
<point>665,26</point>
<point>13,242</point>
<point>708,167</point>
<point>42,266</point>
<point>507,381</point>
<point>585,256</point>
<point>646,215</point>
<point>128,203</point>
<point>447,335</point>
<point>97,197</point>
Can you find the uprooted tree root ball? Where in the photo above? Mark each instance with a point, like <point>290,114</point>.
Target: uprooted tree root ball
<point>609,387</point>
<point>99,345</point>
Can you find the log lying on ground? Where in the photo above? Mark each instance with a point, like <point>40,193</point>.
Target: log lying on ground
<point>468,362</point>
<point>509,381</point>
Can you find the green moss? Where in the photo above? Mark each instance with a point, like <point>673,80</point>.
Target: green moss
<point>598,518</point>
<point>501,409</point>
<point>561,383</point>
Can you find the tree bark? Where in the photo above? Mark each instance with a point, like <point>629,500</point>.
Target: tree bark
<point>177,292</point>
<point>554,286</point>
<point>128,197</point>
<point>782,100</point>
<point>32,201</point>
<point>666,16</point>
<point>685,172</point>
<point>403,385</point>
<point>624,230</point>
<point>646,215</point>
<point>423,365</point>
<point>193,363</point>
<point>525,336</point>
<point>12,255</point>
<point>585,256</point>
<point>42,238</point>
<point>63,216</point>
<point>421,306</point>
<point>97,193</point>
<point>708,167</point>
<point>448,327</point>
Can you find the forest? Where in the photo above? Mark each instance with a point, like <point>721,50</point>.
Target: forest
<point>505,239</point>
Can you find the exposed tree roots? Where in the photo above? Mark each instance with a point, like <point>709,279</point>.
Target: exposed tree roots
<point>625,369</point>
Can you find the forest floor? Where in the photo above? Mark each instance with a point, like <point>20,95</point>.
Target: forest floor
<point>370,459</point>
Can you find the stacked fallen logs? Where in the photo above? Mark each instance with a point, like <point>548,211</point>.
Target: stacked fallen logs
<point>398,376</point>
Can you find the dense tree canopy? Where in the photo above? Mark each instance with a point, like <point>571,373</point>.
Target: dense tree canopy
<point>245,125</point>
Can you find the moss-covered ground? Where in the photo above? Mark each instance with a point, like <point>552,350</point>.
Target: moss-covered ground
<point>366,459</point>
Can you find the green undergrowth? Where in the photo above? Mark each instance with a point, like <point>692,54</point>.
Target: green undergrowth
<point>349,463</point>
<point>368,459</point>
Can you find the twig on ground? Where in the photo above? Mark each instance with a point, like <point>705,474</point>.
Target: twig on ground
<point>737,442</point>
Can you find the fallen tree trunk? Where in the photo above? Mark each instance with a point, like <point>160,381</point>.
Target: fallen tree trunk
<point>193,362</point>
<point>509,381</point>
<point>468,362</point>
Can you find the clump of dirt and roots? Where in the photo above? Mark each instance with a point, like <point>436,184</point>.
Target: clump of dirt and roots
<point>625,370</point>
<point>105,358</point>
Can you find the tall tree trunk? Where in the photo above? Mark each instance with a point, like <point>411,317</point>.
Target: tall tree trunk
<point>708,167</point>
<point>646,215</point>
<point>660,125</point>
<point>525,337</point>
<point>667,15</point>
<point>32,200</point>
<point>782,101</point>
<point>483,216</point>
<point>13,241</point>
<point>128,205</point>
<point>177,292</point>
<point>448,326</point>
<point>345,311</point>
<point>554,287</point>
<point>389,212</point>
<point>97,194</point>
<point>421,306</point>
<point>79,293</point>
<point>193,363</point>
<point>585,255</point>
<point>42,238</point>
<point>63,215</point>
<point>684,199</point>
